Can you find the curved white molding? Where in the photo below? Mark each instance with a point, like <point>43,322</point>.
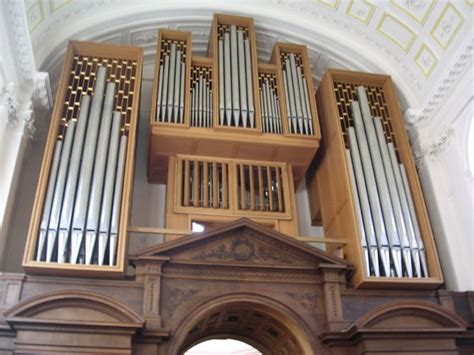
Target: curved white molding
<point>336,39</point>
<point>20,36</point>
<point>462,63</point>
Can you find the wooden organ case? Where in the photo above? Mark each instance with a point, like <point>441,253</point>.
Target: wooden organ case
<point>80,214</point>
<point>336,195</point>
<point>231,137</point>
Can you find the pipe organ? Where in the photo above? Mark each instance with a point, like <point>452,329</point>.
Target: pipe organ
<point>231,138</point>
<point>373,188</point>
<point>81,208</point>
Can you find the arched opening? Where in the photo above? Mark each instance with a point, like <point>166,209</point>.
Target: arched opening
<point>266,326</point>
<point>223,346</point>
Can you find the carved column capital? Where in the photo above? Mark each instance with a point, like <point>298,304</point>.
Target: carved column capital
<point>42,97</point>
<point>430,149</point>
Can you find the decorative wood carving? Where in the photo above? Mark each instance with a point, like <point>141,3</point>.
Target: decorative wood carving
<point>242,249</point>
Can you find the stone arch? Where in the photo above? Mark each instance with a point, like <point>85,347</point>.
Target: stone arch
<point>275,314</point>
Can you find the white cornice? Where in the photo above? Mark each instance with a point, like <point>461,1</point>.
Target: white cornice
<point>20,38</point>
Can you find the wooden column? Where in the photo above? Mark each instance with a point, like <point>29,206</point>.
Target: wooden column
<point>148,271</point>
<point>332,280</point>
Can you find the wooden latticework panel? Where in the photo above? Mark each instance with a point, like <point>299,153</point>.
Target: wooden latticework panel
<point>205,72</point>
<point>82,80</point>
<point>223,28</point>
<point>181,45</point>
<point>345,93</point>
<point>298,59</point>
<point>272,80</point>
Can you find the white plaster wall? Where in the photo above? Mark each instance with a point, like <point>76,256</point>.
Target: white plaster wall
<point>447,178</point>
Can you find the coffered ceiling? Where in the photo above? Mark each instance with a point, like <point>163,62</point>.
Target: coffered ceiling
<point>418,42</point>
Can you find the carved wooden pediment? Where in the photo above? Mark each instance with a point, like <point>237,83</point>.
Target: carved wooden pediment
<point>242,242</point>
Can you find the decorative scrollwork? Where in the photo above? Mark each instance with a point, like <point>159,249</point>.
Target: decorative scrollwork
<point>241,250</point>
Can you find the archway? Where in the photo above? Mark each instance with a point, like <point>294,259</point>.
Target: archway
<point>263,323</point>
<point>222,346</point>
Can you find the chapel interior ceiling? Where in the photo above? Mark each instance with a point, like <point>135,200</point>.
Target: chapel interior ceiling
<point>415,41</point>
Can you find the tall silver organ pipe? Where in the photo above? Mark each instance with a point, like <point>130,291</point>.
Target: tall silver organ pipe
<point>99,173</point>
<point>49,199</point>
<point>363,199</point>
<point>71,184</point>
<point>107,201</point>
<point>236,107</point>
<point>82,199</point>
<point>59,190</point>
<point>297,96</point>
<point>387,212</point>
<point>234,56</point>
<point>248,72</point>
<point>114,223</point>
<point>221,83</point>
<point>242,78</point>
<point>177,82</point>
<point>358,212</point>
<point>227,80</point>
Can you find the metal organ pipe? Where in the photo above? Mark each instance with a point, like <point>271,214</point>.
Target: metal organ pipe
<point>114,223</point>
<point>107,201</point>
<point>71,184</point>
<point>242,78</point>
<point>59,190</point>
<point>49,200</point>
<point>358,212</point>
<point>99,173</point>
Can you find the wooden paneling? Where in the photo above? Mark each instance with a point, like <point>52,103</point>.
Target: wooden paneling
<point>182,208</point>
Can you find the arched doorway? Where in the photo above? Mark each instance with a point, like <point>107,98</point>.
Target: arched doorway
<point>262,323</point>
<point>226,346</point>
